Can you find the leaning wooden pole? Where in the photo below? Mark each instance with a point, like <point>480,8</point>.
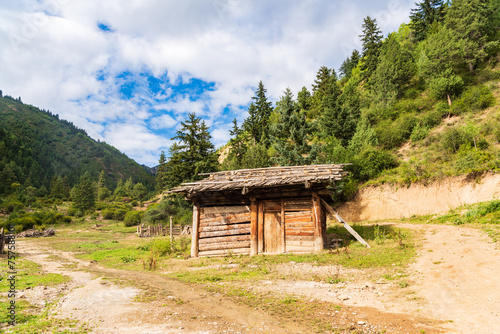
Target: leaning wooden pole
<point>340,220</point>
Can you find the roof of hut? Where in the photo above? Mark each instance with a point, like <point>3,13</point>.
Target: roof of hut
<point>264,178</point>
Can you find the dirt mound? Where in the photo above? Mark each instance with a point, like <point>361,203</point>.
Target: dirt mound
<point>394,202</point>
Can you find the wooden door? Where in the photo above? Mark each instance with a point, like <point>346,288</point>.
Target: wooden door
<point>273,228</point>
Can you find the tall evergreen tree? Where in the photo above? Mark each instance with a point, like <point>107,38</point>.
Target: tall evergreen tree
<point>251,123</point>
<point>349,64</point>
<point>335,120</point>
<point>371,39</point>
<point>394,71</point>
<point>424,16</point>
<point>290,134</point>
<point>473,27</point>
<point>259,111</point>
<point>193,153</point>
<point>102,191</point>
<point>161,172</point>
<point>84,193</point>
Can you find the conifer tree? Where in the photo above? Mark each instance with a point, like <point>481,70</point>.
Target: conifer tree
<point>161,172</point>
<point>102,191</point>
<point>84,193</point>
<point>371,39</point>
<point>335,120</point>
<point>251,123</point>
<point>394,71</point>
<point>349,64</point>
<point>238,148</point>
<point>193,153</point>
<point>424,16</point>
<point>321,84</point>
<point>289,136</point>
<point>473,27</point>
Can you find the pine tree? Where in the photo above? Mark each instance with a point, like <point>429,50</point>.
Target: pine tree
<point>304,100</point>
<point>394,71</point>
<point>102,191</point>
<point>161,172</point>
<point>237,148</point>
<point>473,26</point>
<point>371,39</point>
<point>264,109</point>
<point>251,123</point>
<point>193,153</point>
<point>84,193</point>
<point>335,120</point>
<point>424,16</point>
<point>289,136</point>
<point>349,64</point>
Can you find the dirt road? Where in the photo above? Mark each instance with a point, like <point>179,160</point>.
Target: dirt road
<point>458,275</point>
<point>455,283</point>
<point>164,306</point>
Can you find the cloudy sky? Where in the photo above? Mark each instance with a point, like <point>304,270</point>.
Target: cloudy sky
<point>128,72</point>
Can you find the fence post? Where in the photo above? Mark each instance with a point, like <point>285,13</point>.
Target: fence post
<point>171,233</point>
<point>2,240</point>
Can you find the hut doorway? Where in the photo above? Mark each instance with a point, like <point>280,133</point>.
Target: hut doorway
<point>273,226</point>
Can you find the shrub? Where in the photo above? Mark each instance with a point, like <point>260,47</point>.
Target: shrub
<point>394,134</point>
<point>453,138</point>
<point>132,218</point>
<point>371,162</point>
<point>108,213</point>
<point>419,132</point>
<point>471,160</point>
<point>120,214</point>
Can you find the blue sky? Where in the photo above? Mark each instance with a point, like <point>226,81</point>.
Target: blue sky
<point>128,72</point>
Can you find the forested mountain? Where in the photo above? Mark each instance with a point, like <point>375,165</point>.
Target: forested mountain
<point>40,150</point>
<point>417,105</point>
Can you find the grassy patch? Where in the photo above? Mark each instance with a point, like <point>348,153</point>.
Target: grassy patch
<point>484,216</point>
<point>29,274</point>
<point>30,319</point>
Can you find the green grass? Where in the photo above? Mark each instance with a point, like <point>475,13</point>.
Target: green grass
<point>29,274</point>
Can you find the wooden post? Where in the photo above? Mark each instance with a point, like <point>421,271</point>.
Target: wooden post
<point>260,227</point>
<point>2,240</point>
<point>171,233</point>
<point>318,228</point>
<point>196,227</point>
<point>254,229</point>
<point>282,227</point>
<point>340,220</point>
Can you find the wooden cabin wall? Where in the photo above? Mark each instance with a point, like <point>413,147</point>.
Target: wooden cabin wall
<point>224,230</point>
<point>299,226</point>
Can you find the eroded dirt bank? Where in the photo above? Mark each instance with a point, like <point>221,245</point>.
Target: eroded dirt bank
<point>389,201</point>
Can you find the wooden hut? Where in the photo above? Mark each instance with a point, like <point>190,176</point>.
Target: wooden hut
<point>261,211</point>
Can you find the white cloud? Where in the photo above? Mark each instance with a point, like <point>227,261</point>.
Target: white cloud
<point>53,54</point>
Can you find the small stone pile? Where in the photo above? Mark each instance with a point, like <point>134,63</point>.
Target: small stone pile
<point>34,233</point>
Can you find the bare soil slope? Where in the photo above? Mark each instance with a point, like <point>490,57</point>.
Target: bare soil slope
<point>394,202</point>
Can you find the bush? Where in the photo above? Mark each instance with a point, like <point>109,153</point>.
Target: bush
<point>476,98</point>
<point>132,218</point>
<point>471,160</point>
<point>394,134</point>
<point>108,213</point>
<point>453,138</point>
<point>371,162</point>
<point>419,132</point>
<point>120,214</point>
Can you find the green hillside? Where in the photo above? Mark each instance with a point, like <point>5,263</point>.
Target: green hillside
<point>36,147</point>
<point>415,106</point>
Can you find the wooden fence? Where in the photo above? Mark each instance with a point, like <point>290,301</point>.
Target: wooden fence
<point>160,230</point>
